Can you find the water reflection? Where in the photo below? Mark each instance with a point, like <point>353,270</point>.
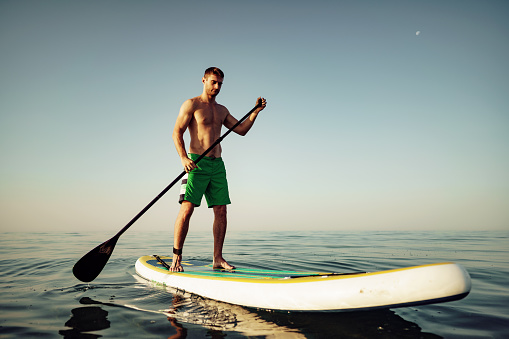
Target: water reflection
<point>362,324</point>
<point>181,331</point>
<point>221,318</point>
<point>86,319</point>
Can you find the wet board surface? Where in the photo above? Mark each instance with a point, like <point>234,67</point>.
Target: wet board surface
<point>202,269</point>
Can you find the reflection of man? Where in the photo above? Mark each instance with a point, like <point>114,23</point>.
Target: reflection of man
<point>181,330</point>
<point>204,119</point>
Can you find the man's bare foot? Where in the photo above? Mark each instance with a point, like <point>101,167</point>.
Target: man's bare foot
<point>176,265</point>
<point>222,264</point>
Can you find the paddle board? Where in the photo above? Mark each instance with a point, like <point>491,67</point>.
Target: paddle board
<point>313,291</point>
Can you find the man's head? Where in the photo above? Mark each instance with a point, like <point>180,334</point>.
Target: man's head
<point>212,81</point>
<point>213,70</point>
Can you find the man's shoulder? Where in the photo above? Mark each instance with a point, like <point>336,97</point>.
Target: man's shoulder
<point>191,102</point>
<point>221,108</point>
<point>190,105</point>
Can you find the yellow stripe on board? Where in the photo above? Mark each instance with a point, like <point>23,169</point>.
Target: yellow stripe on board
<point>269,280</point>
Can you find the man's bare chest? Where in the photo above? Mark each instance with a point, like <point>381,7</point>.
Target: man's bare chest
<point>209,117</point>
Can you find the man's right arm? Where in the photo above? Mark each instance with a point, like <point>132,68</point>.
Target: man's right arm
<point>181,125</point>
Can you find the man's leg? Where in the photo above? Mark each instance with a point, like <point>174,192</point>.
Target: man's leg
<point>180,233</point>
<point>219,230</point>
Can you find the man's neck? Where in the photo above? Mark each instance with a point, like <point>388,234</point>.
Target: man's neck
<point>208,99</point>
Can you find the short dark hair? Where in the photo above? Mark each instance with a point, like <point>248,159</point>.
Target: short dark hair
<point>213,70</point>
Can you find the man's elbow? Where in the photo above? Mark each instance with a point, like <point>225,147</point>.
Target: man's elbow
<point>241,132</point>
<point>176,137</point>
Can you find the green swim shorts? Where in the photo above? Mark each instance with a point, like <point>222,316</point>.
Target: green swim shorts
<point>209,179</point>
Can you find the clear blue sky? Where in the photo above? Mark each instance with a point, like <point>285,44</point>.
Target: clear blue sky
<point>369,125</point>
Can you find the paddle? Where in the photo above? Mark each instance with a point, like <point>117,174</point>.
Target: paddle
<point>92,263</point>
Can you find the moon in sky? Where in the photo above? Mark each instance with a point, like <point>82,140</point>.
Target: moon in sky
<point>417,33</point>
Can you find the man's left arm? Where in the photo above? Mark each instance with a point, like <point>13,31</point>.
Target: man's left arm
<point>246,125</point>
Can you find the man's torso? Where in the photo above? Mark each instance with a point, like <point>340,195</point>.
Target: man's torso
<point>205,126</point>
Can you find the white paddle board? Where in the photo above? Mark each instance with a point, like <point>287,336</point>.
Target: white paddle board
<point>313,291</point>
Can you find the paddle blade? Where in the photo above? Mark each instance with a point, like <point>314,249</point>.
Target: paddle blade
<point>92,263</point>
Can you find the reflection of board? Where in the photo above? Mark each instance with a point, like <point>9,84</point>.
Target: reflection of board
<point>314,291</point>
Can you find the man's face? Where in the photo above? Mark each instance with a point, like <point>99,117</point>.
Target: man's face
<point>212,84</point>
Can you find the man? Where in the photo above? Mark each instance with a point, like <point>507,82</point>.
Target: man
<point>204,117</point>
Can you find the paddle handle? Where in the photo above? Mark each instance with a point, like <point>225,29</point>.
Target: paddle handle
<point>181,175</point>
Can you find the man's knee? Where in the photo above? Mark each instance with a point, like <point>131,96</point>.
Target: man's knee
<point>186,209</point>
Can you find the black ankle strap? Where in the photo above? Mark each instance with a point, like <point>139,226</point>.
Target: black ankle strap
<point>177,251</point>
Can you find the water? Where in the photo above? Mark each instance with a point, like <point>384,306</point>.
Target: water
<point>39,296</point>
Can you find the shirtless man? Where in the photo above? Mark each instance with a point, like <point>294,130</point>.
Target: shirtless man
<point>204,119</point>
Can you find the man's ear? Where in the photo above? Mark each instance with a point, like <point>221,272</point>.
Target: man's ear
<point>203,79</point>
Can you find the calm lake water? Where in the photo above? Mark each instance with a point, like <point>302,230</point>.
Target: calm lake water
<point>39,296</point>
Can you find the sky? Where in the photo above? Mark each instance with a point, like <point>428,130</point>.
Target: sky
<point>382,115</point>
